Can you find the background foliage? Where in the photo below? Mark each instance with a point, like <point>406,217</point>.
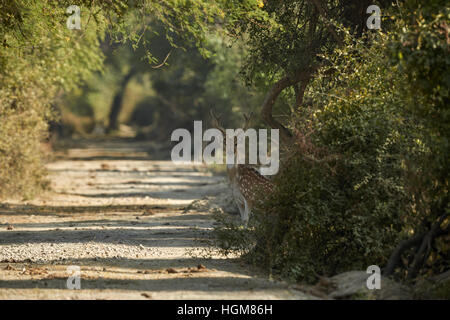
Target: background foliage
<point>364,113</point>
<point>42,60</point>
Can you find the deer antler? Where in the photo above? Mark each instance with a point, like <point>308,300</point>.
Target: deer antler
<point>247,118</point>
<point>216,121</point>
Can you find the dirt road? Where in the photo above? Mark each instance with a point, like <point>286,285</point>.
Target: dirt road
<point>119,216</point>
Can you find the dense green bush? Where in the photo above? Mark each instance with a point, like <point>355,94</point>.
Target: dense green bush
<point>39,57</point>
<point>421,50</point>
<point>352,186</point>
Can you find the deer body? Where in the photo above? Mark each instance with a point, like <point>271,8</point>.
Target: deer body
<point>247,186</point>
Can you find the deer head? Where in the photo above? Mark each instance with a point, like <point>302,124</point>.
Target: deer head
<point>216,123</point>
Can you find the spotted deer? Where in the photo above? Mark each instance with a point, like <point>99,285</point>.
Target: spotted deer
<point>246,182</point>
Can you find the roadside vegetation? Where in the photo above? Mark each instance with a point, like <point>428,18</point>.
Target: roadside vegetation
<point>363,114</point>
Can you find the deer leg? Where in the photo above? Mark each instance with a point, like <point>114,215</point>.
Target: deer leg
<point>246,214</point>
<point>241,207</point>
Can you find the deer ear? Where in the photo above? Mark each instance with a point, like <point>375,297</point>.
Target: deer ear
<point>247,119</point>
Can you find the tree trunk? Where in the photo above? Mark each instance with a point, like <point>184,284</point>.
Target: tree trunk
<point>116,105</point>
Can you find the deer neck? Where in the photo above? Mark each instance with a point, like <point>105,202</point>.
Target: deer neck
<point>232,172</point>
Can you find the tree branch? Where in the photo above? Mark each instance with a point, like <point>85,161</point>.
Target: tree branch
<point>424,249</point>
<point>404,245</point>
<point>274,92</point>
<point>164,62</point>
<point>422,239</point>
<point>324,13</point>
<point>300,92</point>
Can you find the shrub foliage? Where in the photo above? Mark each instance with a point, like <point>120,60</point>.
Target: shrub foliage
<point>368,167</point>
